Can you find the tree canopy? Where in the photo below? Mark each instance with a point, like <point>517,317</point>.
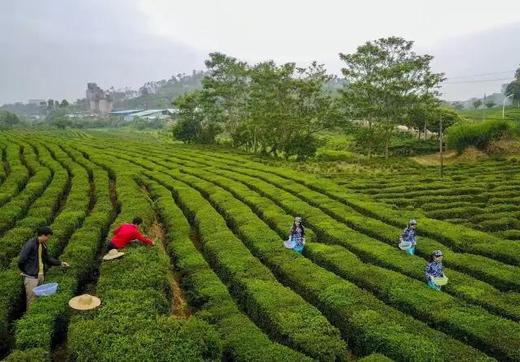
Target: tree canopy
<point>387,83</point>
<point>267,108</point>
<point>513,88</point>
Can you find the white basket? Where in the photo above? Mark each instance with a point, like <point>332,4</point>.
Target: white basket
<point>405,245</point>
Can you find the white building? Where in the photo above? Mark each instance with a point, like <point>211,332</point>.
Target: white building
<point>152,114</point>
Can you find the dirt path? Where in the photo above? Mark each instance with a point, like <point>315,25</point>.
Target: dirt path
<point>180,308</point>
<point>451,157</point>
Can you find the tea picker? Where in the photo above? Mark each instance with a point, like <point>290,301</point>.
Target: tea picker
<point>296,239</point>
<point>435,271</point>
<point>33,260</point>
<point>407,240</point>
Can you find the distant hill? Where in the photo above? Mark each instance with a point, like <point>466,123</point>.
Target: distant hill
<point>511,113</point>
<point>158,94</point>
<point>153,94</point>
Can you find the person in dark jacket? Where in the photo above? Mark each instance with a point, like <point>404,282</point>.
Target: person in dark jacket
<point>33,260</point>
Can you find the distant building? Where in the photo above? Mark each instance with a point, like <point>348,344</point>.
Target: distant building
<point>125,112</point>
<point>152,114</point>
<point>100,102</point>
<point>36,101</point>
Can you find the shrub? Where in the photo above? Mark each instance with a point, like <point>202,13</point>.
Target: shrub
<point>30,355</point>
<point>463,135</point>
<point>408,146</point>
<point>375,357</point>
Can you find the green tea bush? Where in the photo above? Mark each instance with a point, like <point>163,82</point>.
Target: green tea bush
<point>375,357</point>
<point>30,355</point>
<point>284,262</point>
<point>301,326</point>
<point>18,173</point>
<point>411,146</point>
<point>135,296</point>
<point>47,318</point>
<point>266,245</point>
<point>242,340</point>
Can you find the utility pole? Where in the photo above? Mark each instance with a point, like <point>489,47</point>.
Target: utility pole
<point>441,147</point>
<point>504,106</point>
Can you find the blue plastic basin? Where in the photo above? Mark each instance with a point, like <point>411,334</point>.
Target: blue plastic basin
<point>46,289</point>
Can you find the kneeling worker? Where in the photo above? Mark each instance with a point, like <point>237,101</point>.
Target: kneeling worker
<point>32,261</point>
<point>125,234</point>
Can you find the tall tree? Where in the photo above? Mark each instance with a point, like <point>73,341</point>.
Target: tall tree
<point>269,108</point>
<point>8,119</point>
<point>459,106</point>
<point>192,124</point>
<point>490,103</point>
<point>513,89</point>
<point>385,81</point>
<point>226,92</point>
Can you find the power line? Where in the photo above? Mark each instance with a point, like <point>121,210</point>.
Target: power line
<point>478,81</point>
<point>482,74</point>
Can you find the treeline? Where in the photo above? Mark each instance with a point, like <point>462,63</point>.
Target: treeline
<point>265,108</point>
<point>280,109</point>
<point>157,94</point>
<point>9,120</point>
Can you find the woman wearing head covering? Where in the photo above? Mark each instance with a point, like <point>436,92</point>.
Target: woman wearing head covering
<point>296,239</point>
<point>409,236</point>
<point>434,270</point>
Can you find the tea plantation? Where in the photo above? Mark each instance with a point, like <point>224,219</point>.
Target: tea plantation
<point>221,219</point>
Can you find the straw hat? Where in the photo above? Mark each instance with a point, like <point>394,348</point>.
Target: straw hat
<point>113,254</point>
<point>84,302</point>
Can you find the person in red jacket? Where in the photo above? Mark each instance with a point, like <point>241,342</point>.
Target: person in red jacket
<point>127,233</point>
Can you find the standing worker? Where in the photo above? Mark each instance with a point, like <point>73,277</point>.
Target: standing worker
<point>33,259</point>
<point>409,237</point>
<point>296,239</point>
<point>125,234</point>
<point>434,271</point>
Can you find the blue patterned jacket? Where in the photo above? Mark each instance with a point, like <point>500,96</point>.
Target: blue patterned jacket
<point>434,269</point>
<point>408,235</point>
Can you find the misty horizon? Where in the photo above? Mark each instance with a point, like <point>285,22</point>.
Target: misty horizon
<point>54,49</point>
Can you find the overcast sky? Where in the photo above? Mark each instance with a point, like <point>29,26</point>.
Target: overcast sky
<point>52,48</point>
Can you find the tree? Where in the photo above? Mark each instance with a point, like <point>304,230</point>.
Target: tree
<point>62,123</point>
<point>314,110</point>
<point>477,103</point>
<point>513,88</point>
<point>64,103</point>
<point>51,104</point>
<point>490,103</point>
<point>192,125</point>
<point>225,95</point>
<point>386,80</point>
<point>448,116</point>
<point>8,119</point>
<point>288,106</point>
<point>267,108</point>
<point>459,106</point>
<point>421,116</point>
